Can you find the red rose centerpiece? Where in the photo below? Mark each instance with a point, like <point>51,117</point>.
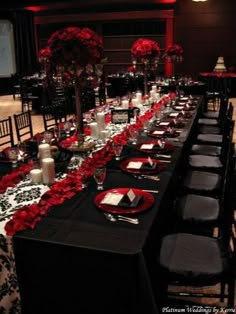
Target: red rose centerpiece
<point>146,51</point>
<point>174,53</point>
<point>72,49</point>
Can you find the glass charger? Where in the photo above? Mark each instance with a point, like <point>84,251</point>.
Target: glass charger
<point>145,203</point>
<point>166,148</point>
<point>158,166</point>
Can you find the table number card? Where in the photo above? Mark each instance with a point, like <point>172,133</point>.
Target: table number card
<point>120,116</point>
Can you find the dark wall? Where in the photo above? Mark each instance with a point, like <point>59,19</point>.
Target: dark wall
<point>206,30</point>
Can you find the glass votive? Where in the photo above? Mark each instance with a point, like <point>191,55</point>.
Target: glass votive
<point>13,154</point>
<point>48,136</point>
<point>104,134</point>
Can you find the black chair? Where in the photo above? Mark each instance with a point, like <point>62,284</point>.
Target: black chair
<point>213,122</point>
<point>23,125</point>
<point>196,261</point>
<point>6,132</point>
<point>53,115</point>
<point>15,83</point>
<point>29,101</point>
<point>201,214</point>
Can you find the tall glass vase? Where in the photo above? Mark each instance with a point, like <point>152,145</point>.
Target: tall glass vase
<point>145,62</point>
<point>78,108</point>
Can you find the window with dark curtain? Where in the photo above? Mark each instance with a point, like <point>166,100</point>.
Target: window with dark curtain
<point>26,57</point>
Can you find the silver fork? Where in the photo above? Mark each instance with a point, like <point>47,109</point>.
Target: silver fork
<point>114,218</point>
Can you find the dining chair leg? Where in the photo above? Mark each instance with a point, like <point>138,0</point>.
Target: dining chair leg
<point>231,292</point>
<point>222,292</point>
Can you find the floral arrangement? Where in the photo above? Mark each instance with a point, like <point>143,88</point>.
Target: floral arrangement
<point>80,46</point>
<point>174,53</point>
<point>145,49</point>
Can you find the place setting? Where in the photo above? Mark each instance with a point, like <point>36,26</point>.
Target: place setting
<point>124,201</point>
<point>176,123</point>
<point>155,147</point>
<point>163,132</point>
<point>15,155</point>
<point>142,166</point>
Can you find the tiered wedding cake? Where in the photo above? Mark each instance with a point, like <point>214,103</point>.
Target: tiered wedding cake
<point>220,66</point>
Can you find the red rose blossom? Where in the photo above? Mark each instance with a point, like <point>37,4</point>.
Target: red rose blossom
<point>144,48</point>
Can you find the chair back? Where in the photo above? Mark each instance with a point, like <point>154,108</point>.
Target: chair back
<point>6,132</point>
<point>23,125</point>
<point>53,115</point>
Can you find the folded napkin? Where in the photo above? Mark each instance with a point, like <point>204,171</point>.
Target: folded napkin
<point>121,200</point>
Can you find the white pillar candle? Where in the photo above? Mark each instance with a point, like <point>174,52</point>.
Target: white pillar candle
<point>44,151</point>
<point>125,104</point>
<point>154,88</point>
<point>152,94</point>
<point>94,129</point>
<point>139,96</point>
<point>134,102</point>
<point>157,96</point>
<point>100,120</point>
<point>48,168</point>
<point>36,175</point>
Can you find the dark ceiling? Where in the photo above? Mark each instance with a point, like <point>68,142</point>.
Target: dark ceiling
<point>87,5</point>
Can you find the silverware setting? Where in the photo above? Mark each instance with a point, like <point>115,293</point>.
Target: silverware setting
<point>115,218</point>
<point>162,155</point>
<point>151,191</point>
<point>144,176</point>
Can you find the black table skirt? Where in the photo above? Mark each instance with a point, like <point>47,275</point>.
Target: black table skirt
<point>75,261</point>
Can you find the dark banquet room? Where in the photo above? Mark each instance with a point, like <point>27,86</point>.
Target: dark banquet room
<point>117,156</point>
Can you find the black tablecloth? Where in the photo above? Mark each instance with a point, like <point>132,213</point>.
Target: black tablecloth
<point>75,261</point>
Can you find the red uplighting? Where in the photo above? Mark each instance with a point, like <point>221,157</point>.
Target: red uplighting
<point>164,1</point>
<point>37,8</point>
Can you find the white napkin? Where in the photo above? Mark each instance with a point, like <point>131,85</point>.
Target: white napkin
<point>112,199</point>
<point>147,146</point>
<point>164,123</point>
<point>134,165</point>
<point>158,132</point>
<point>174,114</point>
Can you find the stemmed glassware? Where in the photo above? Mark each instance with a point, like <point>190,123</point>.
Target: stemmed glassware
<point>117,148</point>
<point>146,124</point>
<point>133,134</point>
<point>13,154</point>
<point>67,128</point>
<point>99,176</point>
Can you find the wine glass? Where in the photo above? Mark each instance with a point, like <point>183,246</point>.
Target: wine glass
<point>133,134</point>
<point>146,124</point>
<point>48,136</point>
<point>67,128</point>
<point>99,176</point>
<point>13,154</point>
<point>117,148</point>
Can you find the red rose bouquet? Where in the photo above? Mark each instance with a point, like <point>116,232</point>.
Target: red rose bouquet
<point>80,46</point>
<point>145,49</point>
<point>174,53</point>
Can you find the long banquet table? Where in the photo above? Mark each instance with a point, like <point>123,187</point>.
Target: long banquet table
<point>75,261</point>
